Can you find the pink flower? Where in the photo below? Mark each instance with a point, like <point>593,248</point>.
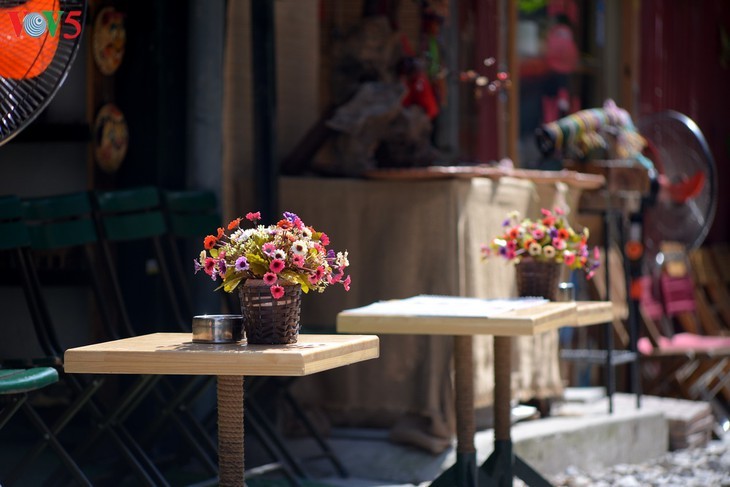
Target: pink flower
<point>277,291</point>
<point>486,251</point>
<point>270,278</point>
<point>313,279</point>
<point>596,254</point>
<point>346,283</point>
<point>538,234</point>
<point>277,265</point>
<point>298,260</point>
<point>324,239</point>
<point>545,212</point>
<point>252,217</point>
<point>268,248</point>
<point>569,258</point>
<point>559,210</point>
<point>511,245</point>
<point>336,276</point>
<point>209,266</point>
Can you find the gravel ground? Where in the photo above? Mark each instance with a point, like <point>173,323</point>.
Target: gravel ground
<point>705,467</point>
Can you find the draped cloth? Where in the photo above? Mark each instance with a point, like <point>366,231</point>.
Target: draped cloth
<point>406,238</point>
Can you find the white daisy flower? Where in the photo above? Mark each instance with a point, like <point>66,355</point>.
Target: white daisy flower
<point>299,247</point>
<point>534,249</point>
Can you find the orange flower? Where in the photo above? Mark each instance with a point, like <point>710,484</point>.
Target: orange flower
<point>221,232</point>
<point>527,243</point>
<point>234,223</point>
<point>209,242</point>
<point>563,234</point>
<point>285,224</point>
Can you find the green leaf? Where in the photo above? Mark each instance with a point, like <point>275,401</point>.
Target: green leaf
<point>292,276</point>
<point>230,283</point>
<point>214,253</point>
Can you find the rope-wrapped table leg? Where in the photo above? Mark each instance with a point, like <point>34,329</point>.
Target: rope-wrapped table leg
<point>230,430</point>
<point>502,387</point>
<point>464,389</point>
<point>466,465</point>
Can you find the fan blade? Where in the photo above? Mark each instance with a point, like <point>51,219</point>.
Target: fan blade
<point>682,191</point>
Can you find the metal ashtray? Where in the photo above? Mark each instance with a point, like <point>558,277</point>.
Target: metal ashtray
<point>217,328</point>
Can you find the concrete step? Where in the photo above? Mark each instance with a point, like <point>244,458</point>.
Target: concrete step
<point>583,435</point>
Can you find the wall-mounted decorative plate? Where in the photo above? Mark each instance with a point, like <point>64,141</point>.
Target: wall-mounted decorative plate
<point>109,40</point>
<point>111,138</point>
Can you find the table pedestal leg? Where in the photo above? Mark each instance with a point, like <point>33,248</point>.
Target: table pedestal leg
<point>230,430</point>
<point>503,465</point>
<point>463,472</point>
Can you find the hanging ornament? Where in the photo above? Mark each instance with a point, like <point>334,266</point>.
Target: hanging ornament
<point>110,39</point>
<point>111,138</point>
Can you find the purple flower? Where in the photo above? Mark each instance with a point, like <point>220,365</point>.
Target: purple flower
<point>505,223</point>
<point>241,264</point>
<point>331,254</point>
<point>222,267</point>
<point>290,216</point>
<point>197,266</point>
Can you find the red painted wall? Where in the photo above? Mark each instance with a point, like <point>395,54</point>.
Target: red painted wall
<point>681,70</point>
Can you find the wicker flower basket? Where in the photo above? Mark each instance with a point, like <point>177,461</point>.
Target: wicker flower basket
<point>268,320</point>
<point>539,279</point>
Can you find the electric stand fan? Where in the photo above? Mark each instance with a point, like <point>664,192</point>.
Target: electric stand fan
<point>684,207</point>
<point>38,42</point>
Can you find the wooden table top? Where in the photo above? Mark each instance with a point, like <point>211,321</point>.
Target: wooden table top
<point>448,315</point>
<point>176,354</point>
<point>594,312</point>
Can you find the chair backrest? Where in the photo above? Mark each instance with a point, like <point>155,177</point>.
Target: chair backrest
<point>136,216</point>
<point>677,294</point>
<point>130,214</point>
<point>58,222</point>
<point>649,301</point>
<point>65,223</point>
<point>191,215</point>
<point>15,239</point>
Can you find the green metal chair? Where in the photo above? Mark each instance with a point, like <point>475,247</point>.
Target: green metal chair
<point>132,220</point>
<point>64,224</point>
<point>17,383</point>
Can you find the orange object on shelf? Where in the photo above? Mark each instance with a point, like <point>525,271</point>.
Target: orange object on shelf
<point>23,56</point>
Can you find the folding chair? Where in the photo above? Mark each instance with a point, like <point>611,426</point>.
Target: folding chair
<point>684,364</point>
<point>63,224</point>
<point>15,383</point>
<point>134,217</point>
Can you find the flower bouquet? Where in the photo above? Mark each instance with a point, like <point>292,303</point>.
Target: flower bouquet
<point>270,266</point>
<point>540,247</point>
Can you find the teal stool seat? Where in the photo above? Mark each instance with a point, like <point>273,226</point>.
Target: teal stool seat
<point>19,381</point>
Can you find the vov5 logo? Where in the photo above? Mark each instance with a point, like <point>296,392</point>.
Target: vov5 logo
<point>35,24</point>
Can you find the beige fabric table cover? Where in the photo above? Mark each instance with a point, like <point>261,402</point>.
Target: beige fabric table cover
<point>417,237</point>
